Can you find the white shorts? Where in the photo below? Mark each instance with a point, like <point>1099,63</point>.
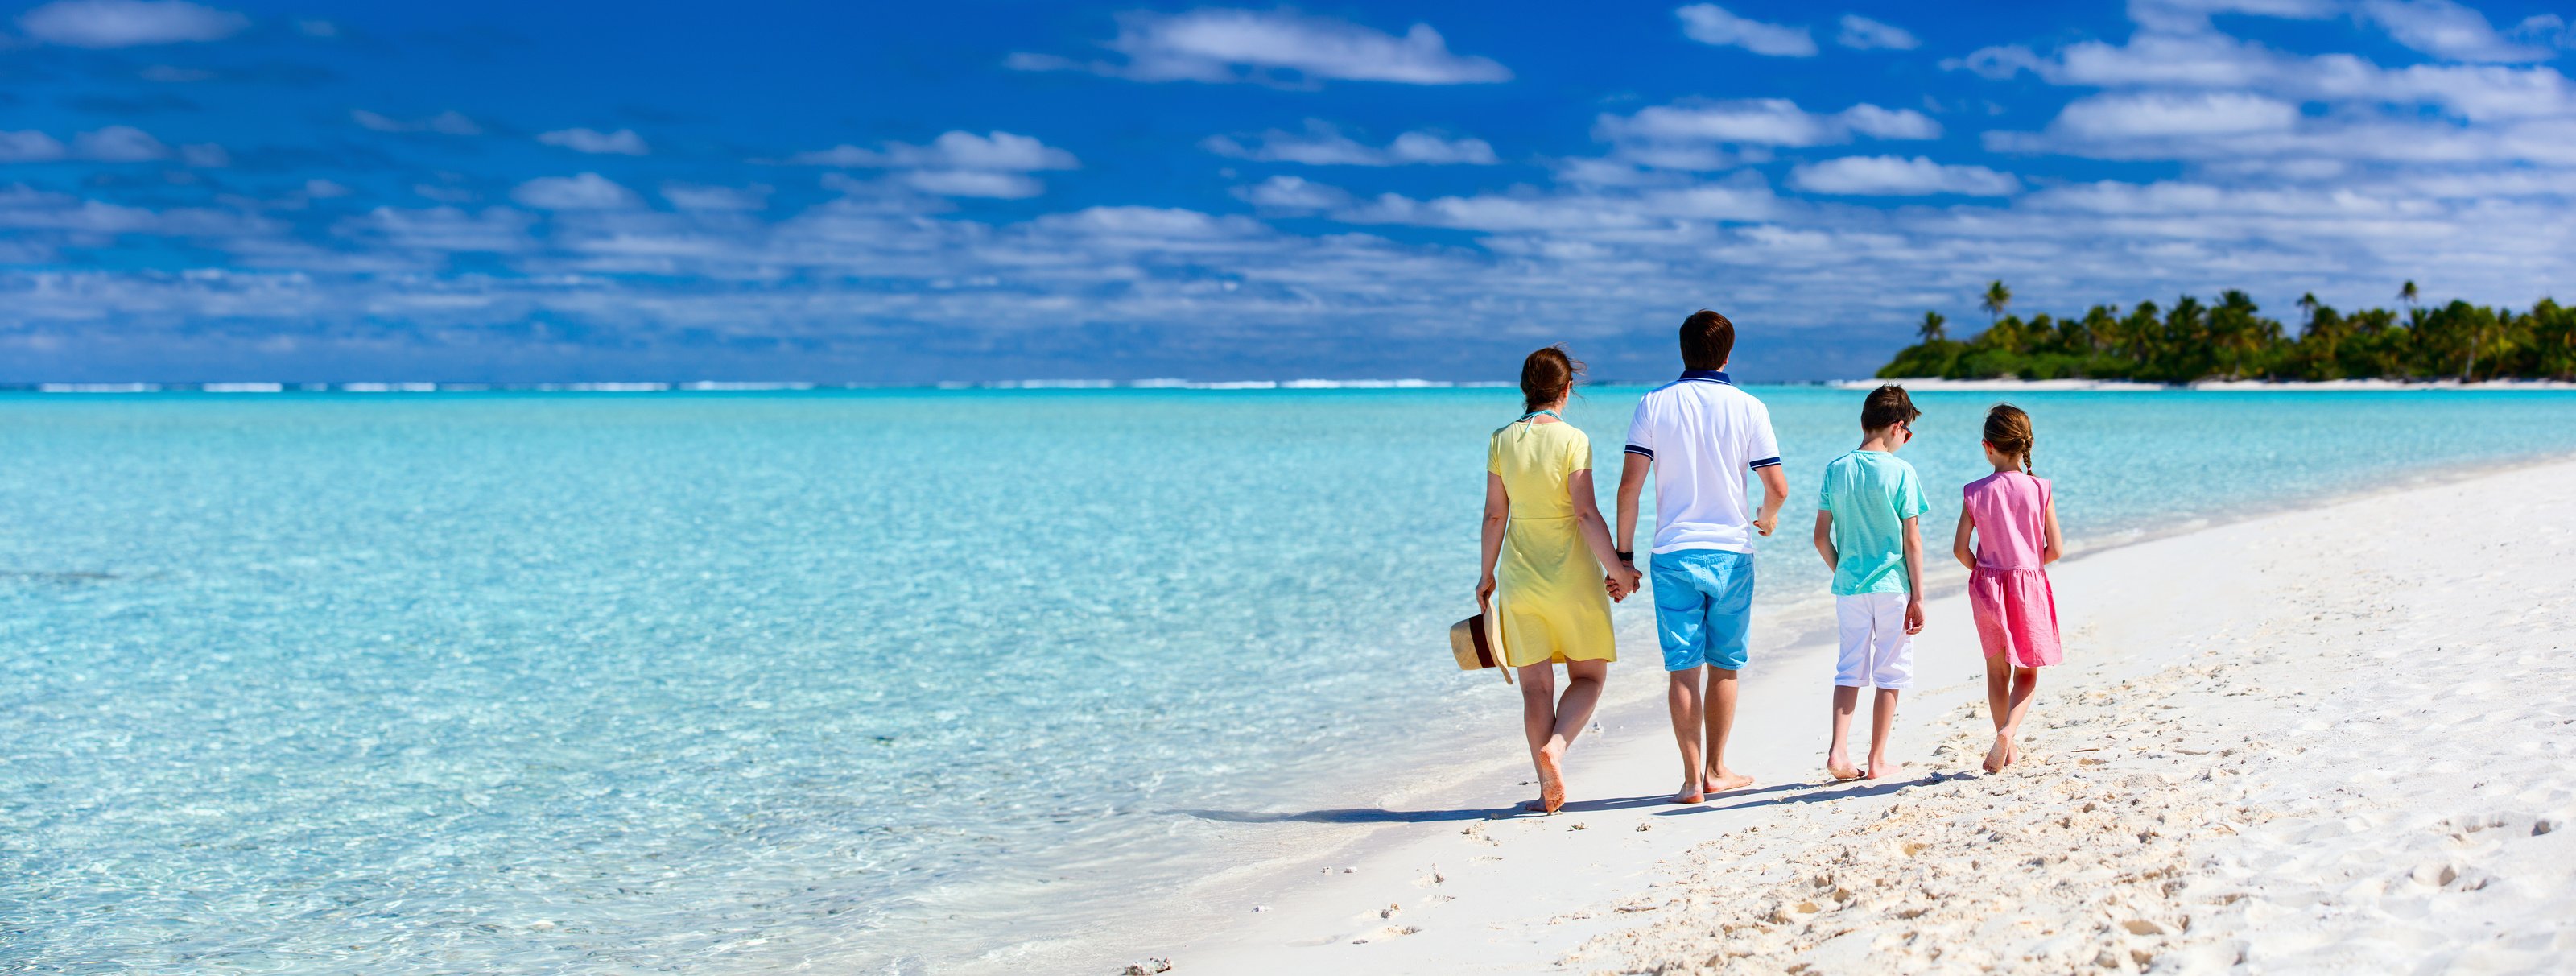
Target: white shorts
<point>1876,649</point>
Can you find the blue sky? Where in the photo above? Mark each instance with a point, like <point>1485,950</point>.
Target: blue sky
<point>980,191</point>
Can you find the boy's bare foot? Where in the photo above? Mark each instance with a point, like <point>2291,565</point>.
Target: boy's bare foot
<point>1551,779</point>
<point>1725,781</point>
<point>1999,755</point>
<point>1841,768</point>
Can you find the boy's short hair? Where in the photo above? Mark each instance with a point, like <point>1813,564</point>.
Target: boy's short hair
<point>1887,407</point>
<point>1708,339</point>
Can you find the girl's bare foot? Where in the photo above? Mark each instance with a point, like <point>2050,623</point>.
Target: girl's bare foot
<point>1879,767</point>
<point>1999,755</point>
<point>1551,779</point>
<point>2012,752</point>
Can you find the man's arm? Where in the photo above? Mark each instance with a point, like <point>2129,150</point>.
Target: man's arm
<point>1632,482</point>
<point>1775,489</point>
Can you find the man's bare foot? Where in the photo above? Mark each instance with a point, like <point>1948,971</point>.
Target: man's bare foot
<point>1999,755</point>
<point>1692,793</point>
<point>1551,779</point>
<point>1725,781</point>
<point>1841,768</point>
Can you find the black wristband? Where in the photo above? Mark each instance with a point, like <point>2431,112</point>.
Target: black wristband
<point>1626,556</point>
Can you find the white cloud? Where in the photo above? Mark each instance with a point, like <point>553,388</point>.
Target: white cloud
<point>1292,194</point>
<point>495,229</point>
<point>973,183</point>
<point>30,147</point>
<point>2547,29</point>
<point>321,189</point>
<point>587,191</point>
<point>623,142</point>
<point>1762,122</point>
<point>450,122</point>
<point>691,197</point>
<point>1221,45</point>
<point>957,150</point>
<point>128,23</point>
<point>2446,30</point>
<point>2165,115</point>
<point>1709,23</point>
<point>1865,34</point>
<point>1899,176</point>
<point>205,155</point>
<point>119,144</point>
<point>1323,145</point>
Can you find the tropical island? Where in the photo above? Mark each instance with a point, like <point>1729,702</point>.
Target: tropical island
<point>2232,339</point>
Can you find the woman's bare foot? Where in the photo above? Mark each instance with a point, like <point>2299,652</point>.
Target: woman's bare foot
<point>1999,755</point>
<point>1724,781</point>
<point>1841,768</point>
<point>1551,779</point>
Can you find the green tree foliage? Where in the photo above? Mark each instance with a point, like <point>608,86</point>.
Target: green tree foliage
<point>2233,339</point>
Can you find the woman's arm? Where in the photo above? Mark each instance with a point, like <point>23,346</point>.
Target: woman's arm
<point>2056,545</point>
<point>1825,539</point>
<point>1498,509</point>
<point>1596,534</point>
<point>1959,543</point>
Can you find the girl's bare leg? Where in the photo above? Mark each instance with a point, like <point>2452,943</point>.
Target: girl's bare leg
<point>1538,723</point>
<point>1999,682</point>
<point>1838,755</point>
<point>2025,681</point>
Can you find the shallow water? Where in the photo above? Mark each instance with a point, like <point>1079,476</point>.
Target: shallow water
<point>747,681</point>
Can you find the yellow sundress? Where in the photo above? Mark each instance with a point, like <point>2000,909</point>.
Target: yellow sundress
<point>1549,598</point>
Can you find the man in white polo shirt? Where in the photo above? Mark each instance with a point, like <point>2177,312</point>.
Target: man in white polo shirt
<point>1700,435</point>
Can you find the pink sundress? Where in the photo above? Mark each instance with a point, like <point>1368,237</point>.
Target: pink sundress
<point>2016,610</point>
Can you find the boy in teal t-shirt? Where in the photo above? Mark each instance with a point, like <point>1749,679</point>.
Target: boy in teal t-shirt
<point>1866,530</point>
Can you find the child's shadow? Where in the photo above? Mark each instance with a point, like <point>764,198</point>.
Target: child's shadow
<point>1814,793</point>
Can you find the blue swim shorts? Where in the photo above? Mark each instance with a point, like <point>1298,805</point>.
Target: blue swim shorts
<point>1703,607</point>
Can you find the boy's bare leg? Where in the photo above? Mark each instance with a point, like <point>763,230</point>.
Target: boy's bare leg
<point>1684,698</point>
<point>1882,724</point>
<point>2024,682</point>
<point>1538,723</point>
<point>1721,720</point>
<point>1837,756</point>
<point>1999,705</point>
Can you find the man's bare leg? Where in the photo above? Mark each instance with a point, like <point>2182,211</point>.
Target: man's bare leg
<point>1837,756</point>
<point>1684,698</point>
<point>1538,724</point>
<point>1721,720</point>
<point>1882,724</point>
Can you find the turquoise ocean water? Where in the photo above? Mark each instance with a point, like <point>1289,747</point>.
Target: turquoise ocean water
<point>860,680</point>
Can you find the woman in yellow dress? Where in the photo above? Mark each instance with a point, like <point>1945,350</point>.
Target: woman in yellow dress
<point>1545,530</point>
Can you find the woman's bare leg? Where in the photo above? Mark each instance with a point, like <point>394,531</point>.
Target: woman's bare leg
<point>1538,724</point>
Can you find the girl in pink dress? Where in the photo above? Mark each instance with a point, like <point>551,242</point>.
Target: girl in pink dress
<point>2014,520</point>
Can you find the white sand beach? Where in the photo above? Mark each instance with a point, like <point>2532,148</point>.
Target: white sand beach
<point>2331,740</point>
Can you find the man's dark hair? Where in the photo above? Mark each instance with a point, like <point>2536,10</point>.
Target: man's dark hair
<point>1707,340</point>
<point>1887,407</point>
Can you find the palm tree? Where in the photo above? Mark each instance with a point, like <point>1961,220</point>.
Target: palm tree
<point>1997,299</point>
<point>2308,305</point>
<point>2407,293</point>
<point>1931,330</point>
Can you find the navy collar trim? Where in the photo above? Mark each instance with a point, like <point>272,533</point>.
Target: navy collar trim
<point>1712,375</point>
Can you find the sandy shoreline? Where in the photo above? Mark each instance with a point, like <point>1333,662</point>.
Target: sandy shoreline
<point>2230,771</point>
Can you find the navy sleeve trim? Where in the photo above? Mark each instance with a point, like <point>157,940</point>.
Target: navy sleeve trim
<point>1769,462</point>
<point>1641,451</point>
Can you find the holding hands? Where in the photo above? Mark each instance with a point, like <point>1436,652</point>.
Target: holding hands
<point>1621,581</point>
